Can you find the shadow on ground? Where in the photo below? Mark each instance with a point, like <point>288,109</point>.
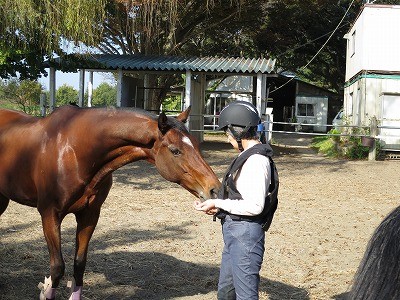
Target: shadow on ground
<point>120,274</point>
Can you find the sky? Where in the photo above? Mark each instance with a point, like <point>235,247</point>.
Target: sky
<point>72,79</point>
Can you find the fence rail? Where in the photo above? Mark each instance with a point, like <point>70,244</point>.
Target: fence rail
<point>372,132</point>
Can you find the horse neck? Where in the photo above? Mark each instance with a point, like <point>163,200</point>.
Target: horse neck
<point>127,129</point>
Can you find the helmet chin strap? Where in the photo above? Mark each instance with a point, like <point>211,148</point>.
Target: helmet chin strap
<point>237,136</point>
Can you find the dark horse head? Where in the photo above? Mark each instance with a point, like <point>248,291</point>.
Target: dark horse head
<point>378,275</point>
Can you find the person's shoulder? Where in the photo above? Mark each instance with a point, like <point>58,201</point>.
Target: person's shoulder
<point>258,159</point>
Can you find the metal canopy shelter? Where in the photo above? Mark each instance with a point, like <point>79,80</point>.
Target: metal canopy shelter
<point>194,68</point>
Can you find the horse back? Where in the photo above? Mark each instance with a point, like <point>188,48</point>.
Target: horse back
<point>8,117</point>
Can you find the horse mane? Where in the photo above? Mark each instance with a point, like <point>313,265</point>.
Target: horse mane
<point>378,274</point>
<point>171,121</point>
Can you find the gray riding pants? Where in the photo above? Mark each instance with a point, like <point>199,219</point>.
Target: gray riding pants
<point>242,257</point>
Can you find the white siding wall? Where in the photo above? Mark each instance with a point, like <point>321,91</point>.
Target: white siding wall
<point>368,91</point>
<point>377,41</point>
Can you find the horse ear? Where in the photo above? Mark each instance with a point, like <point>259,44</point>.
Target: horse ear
<point>183,116</point>
<point>163,123</point>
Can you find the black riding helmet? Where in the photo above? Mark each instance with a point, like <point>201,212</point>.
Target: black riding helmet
<point>238,113</point>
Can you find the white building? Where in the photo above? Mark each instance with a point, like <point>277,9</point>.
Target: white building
<point>372,87</point>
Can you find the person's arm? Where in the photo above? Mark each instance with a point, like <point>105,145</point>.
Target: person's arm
<point>252,183</point>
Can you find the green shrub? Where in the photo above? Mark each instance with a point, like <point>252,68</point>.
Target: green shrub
<point>337,146</point>
<point>326,145</point>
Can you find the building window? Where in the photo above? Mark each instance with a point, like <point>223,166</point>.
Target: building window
<point>353,44</point>
<point>305,110</point>
<point>350,104</point>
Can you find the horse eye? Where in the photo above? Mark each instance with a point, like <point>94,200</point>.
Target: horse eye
<point>175,151</point>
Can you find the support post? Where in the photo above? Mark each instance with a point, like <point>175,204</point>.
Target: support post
<point>188,87</point>
<point>373,134</point>
<point>81,87</point>
<point>43,105</point>
<point>52,87</point>
<point>90,89</point>
<point>259,91</point>
<point>146,94</point>
<point>119,87</point>
<point>195,89</point>
<point>267,129</point>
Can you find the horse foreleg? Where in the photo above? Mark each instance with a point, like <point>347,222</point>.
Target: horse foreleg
<point>52,232</point>
<point>86,220</point>
<point>3,204</point>
<point>86,223</point>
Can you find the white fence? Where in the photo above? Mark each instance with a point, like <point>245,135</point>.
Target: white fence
<point>388,136</point>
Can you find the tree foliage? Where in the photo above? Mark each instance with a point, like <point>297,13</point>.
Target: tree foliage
<point>66,94</point>
<point>186,28</point>
<point>169,27</point>
<point>32,30</point>
<point>24,95</point>
<point>104,95</point>
<point>294,31</point>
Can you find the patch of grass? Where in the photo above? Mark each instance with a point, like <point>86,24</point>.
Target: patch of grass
<point>325,145</point>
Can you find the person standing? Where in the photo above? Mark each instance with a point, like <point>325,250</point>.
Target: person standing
<point>246,203</point>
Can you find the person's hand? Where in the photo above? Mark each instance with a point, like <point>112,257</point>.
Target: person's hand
<point>207,206</point>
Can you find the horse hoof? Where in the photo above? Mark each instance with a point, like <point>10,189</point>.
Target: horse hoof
<point>76,291</point>
<point>46,290</point>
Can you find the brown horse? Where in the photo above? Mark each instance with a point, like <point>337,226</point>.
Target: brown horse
<point>63,164</point>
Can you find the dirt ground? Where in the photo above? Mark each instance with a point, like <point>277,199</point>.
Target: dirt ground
<point>151,244</point>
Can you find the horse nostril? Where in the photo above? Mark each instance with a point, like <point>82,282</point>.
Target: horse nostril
<point>214,193</point>
<point>202,198</point>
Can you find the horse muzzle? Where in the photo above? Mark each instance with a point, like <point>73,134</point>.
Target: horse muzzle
<point>212,194</point>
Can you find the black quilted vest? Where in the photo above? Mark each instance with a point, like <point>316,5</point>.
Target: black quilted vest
<point>229,190</point>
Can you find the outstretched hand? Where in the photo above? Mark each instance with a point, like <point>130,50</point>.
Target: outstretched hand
<point>207,206</point>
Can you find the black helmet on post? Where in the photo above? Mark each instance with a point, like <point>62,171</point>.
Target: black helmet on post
<point>238,113</point>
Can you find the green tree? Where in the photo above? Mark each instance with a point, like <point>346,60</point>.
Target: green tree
<point>294,31</point>
<point>172,27</point>
<point>104,95</point>
<point>24,95</point>
<point>66,94</point>
<point>33,30</point>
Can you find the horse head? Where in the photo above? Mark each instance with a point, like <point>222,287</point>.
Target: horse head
<point>178,158</point>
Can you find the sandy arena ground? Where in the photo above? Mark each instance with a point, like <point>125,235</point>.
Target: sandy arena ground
<point>151,244</point>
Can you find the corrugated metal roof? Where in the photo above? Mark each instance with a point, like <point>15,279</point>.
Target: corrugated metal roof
<point>167,63</point>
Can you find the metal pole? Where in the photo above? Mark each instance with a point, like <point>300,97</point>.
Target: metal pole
<point>268,128</point>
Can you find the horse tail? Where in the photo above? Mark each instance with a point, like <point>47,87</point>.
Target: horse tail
<point>378,275</point>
